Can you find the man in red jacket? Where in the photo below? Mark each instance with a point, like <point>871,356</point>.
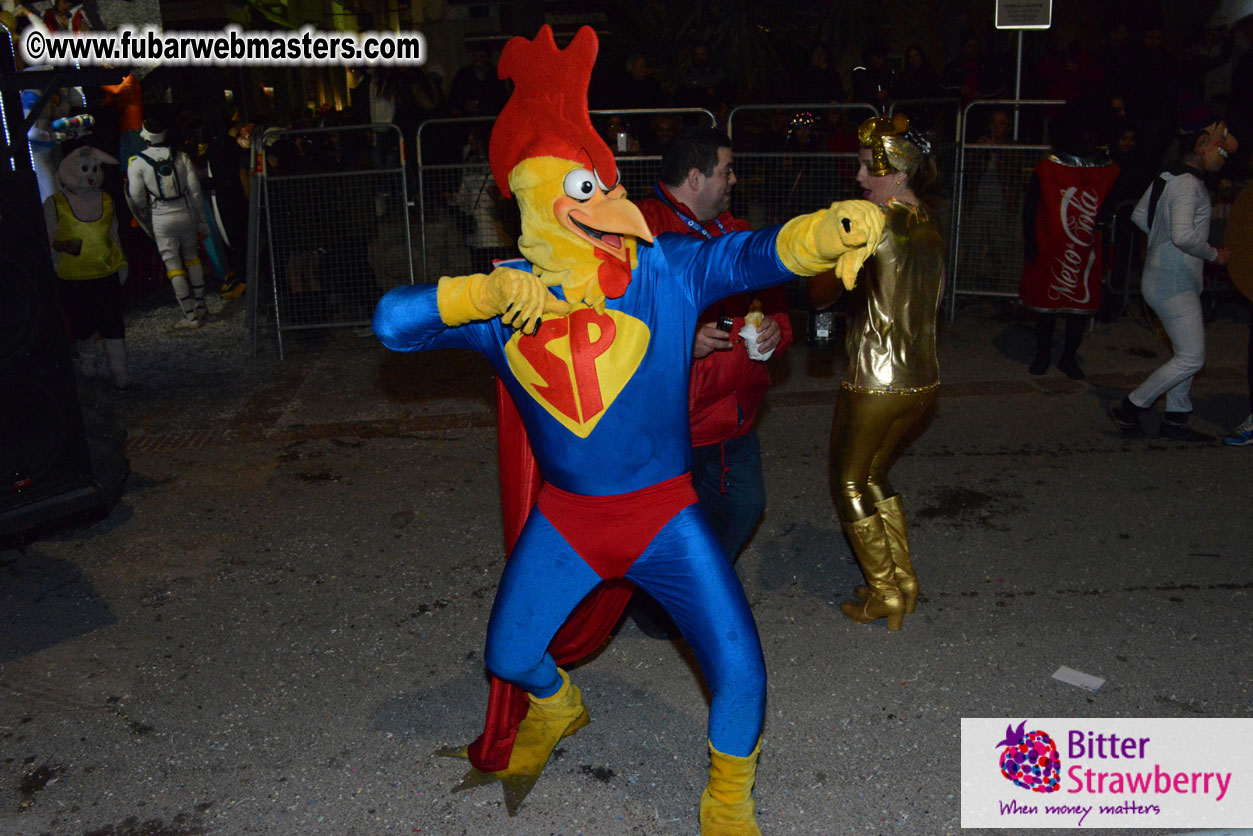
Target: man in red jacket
<point>693,197</point>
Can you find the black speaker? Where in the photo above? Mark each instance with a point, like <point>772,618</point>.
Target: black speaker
<point>45,468</point>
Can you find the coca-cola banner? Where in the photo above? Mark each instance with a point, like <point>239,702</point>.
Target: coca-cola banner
<point>1066,275</point>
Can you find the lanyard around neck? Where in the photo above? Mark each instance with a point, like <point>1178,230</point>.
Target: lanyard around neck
<point>664,198</point>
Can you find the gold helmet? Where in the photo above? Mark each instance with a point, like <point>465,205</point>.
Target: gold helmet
<point>892,146</point>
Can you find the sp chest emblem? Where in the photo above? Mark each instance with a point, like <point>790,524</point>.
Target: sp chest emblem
<point>576,366</point>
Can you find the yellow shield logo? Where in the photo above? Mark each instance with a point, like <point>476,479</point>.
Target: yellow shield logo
<point>576,366</point>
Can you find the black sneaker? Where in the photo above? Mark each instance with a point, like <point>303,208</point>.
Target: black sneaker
<point>1182,432</point>
<point>1127,423</point>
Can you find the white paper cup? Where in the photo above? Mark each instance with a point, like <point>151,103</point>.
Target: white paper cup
<point>749,333</point>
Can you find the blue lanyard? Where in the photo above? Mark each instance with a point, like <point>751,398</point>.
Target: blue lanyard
<point>661,195</point>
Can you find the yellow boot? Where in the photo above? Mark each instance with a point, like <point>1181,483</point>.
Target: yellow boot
<point>893,514</point>
<point>870,543</point>
<point>547,721</point>
<point>726,806</point>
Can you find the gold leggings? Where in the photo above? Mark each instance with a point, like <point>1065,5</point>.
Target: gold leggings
<point>865,431</point>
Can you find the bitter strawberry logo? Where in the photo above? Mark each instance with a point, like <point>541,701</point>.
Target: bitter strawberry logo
<point>1030,759</point>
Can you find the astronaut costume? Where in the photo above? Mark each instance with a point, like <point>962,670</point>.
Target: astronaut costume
<point>166,180</point>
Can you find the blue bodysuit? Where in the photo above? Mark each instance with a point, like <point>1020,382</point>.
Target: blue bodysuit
<point>604,401</point>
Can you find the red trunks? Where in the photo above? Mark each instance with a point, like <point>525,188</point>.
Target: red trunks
<point>611,532</point>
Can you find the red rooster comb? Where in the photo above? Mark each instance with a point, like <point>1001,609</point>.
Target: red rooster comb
<point>547,114</point>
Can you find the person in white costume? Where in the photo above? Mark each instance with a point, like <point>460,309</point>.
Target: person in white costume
<point>166,181</point>
<point>1175,212</point>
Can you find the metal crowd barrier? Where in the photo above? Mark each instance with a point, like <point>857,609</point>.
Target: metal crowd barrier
<point>776,185</point>
<point>334,204</point>
<point>776,181</point>
<point>336,231</point>
<point>1122,278</point>
<point>463,223</point>
<point>992,182</point>
<point>256,216</point>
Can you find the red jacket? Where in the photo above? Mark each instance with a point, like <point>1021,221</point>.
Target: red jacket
<point>726,387</point>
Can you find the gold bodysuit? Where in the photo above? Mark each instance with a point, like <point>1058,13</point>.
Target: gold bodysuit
<point>892,373</point>
<point>891,341</point>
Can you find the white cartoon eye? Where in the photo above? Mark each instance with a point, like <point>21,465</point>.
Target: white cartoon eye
<point>580,184</point>
<point>601,182</point>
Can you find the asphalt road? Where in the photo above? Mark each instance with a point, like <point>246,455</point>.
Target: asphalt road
<point>283,617</point>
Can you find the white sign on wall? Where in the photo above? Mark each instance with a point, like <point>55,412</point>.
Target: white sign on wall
<point>1024,14</point>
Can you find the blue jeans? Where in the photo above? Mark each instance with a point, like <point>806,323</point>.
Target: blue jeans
<point>727,478</point>
<point>1181,319</point>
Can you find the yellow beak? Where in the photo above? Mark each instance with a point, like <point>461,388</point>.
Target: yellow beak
<point>604,220</point>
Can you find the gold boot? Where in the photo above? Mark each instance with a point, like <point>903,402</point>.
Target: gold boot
<point>870,543</point>
<point>893,514</point>
<point>726,806</point>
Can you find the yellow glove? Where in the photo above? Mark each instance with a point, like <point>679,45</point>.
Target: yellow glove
<point>519,298</point>
<point>841,237</point>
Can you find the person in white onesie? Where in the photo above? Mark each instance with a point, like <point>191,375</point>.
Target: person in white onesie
<point>1175,212</point>
<point>167,180</point>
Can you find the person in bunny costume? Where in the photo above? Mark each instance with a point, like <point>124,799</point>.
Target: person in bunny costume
<point>82,229</point>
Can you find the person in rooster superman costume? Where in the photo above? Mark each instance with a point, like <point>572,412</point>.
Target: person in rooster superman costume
<point>592,337</point>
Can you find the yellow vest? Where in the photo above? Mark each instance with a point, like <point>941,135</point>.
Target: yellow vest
<point>100,255</point>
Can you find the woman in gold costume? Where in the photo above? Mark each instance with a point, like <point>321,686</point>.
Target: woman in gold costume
<point>892,373</point>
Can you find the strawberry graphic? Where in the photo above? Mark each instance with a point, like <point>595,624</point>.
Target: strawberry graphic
<point>1030,759</point>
